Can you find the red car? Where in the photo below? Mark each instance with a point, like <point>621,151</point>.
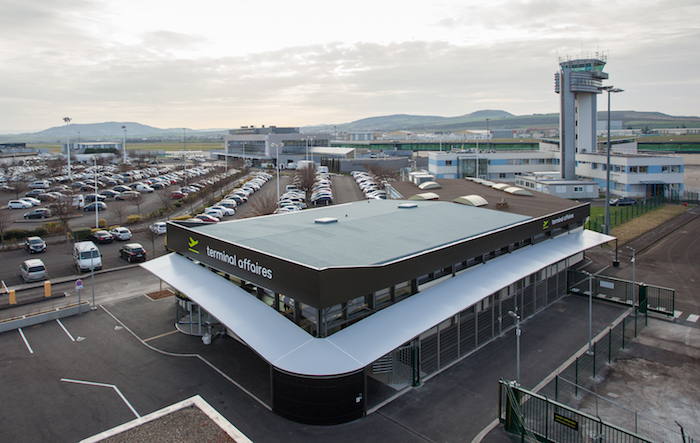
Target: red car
<point>176,194</point>
<point>207,218</point>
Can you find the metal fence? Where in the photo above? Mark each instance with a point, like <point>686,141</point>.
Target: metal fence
<point>621,214</point>
<point>536,417</point>
<point>652,298</point>
<point>688,197</point>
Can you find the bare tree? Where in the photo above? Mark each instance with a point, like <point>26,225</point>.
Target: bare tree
<point>20,188</point>
<point>306,180</point>
<point>64,209</point>
<point>119,208</point>
<point>263,204</point>
<point>5,223</point>
<point>164,197</point>
<point>150,236</point>
<point>381,173</point>
<point>138,199</point>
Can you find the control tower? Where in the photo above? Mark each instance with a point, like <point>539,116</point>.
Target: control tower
<point>578,82</point>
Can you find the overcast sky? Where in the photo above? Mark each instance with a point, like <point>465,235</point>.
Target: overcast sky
<point>227,63</point>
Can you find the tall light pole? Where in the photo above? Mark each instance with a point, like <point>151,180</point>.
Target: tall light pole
<point>97,203</point>
<point>634,282</point>
<point>517,344</point>
<point>184,154</point>
<point>124,146</point>
<point>67,120</point>
<point>590,312</point>
<point>609,90</point>
<point>488,135</point>
<point>277,147</point>
<point>309,140</point>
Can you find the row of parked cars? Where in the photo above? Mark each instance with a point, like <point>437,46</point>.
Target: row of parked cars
<point>368,185</point>
<point>227,206</point>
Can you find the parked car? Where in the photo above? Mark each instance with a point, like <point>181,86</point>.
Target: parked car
<point>95,197</point>
<point>31,200</point>
<point>95,206</point>
<point>122,188</point>
<point>177,194</point>
<point>34,245</point>
<point>101,237</point>
<point>120,233</point>
<point>38,213</point>
<point>33,270</point>
<point>159,228</point>
<point>18,204</point>
<point>623,201</point>
<point>225,210</point>
<point>207,218</point>
<point>127,195</point>
<point>133,252</point>
<point>109,193</point>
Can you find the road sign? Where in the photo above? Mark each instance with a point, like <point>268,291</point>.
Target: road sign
<point>78,284</point>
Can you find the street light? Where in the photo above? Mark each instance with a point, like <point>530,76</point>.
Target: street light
<point>277,147</point>
<point>97,205</point>
<point>67,120</point>
<point>609,90</point>
<point>124,145</point>
<point>590,311</point>
<point>488,135</point>
<point>634,282</point>
<point>517,338</point>
<point>308,139</point>
<point>184,154</point>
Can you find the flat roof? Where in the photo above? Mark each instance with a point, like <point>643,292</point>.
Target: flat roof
<point>537,205</point>
<point>366,233</point>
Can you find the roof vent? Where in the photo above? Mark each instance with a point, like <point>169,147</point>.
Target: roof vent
<point>326,220</point>
<point>408,205</point>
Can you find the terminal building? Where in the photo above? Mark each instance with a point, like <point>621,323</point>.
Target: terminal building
<point>347,302</point>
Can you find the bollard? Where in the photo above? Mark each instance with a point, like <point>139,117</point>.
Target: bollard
<point>47,288</point>
<point>13,301</point>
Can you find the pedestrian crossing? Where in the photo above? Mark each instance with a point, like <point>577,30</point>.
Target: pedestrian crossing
<point>692,318</point>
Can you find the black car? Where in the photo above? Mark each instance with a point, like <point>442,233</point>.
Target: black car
<point>133,252</point>
<point>91,207</point>
<point>34,245</point>
<point>101,237</point>
<point>94,197</point>
<point>623,201</point>
<point>38,213</point>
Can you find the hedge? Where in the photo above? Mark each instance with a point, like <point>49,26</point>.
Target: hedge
<point>80,234</point>
<point>19,234</point>
<point>135,218</point>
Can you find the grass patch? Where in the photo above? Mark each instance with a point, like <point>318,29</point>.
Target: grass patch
<point>645,223</point>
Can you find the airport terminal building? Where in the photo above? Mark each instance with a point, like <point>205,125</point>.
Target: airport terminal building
<point>345,301</point>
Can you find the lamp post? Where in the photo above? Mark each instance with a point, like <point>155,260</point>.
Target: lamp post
<point>517,344</point>
<point>277,147</point>
<point>608,89</point>
<point>634,282</point>
<point>67,120</point>
<point>590,312</point>
<point>488,135</point>
<point>184,154</point>
<point>124,146</point>
<point>308,139</point>
<point>97,203</point>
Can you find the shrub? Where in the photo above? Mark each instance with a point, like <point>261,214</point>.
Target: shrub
<point>135,218</point>
<point>53,228</point>
<point>80,234</point>
<point>102,223</point>
<point>182,217</point>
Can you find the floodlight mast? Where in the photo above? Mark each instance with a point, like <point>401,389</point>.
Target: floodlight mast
<point>67,121</point>
<point>608,89</point>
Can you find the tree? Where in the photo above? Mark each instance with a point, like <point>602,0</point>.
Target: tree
<point>150,235</point>
<point>138,199</point>
<point>119,208</point>
<point>306,178</point>
<point>382,174</point>
<point>264,204</point>
<point>5,223</point>
<point>164,197</point>
<point>64,209</point>
<point>20,188</point>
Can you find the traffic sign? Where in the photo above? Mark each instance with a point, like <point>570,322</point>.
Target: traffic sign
<point>78,284</point>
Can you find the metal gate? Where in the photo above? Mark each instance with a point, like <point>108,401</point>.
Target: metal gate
<point>398,365</point>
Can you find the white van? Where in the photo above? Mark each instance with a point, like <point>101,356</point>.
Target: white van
<point>86,256</point>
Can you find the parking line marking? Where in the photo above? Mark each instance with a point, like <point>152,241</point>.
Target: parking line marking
<point>693,318</point>
<point>25,340</point>
<point>104,385</point>
<point>161,335</point>
<point>64,329</point>
<point>677,314</point>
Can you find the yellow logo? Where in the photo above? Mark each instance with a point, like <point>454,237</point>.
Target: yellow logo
<point>192,244</point>
<point>545,224</point>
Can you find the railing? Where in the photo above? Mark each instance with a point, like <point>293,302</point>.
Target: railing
<point>621,214</point>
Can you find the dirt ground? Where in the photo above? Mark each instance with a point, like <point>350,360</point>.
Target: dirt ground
<point>639,225</point>
<point>658,377</point>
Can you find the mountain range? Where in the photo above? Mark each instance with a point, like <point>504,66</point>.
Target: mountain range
<point>479,120</point>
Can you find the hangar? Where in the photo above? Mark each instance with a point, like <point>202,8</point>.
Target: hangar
<point>342,299</point>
